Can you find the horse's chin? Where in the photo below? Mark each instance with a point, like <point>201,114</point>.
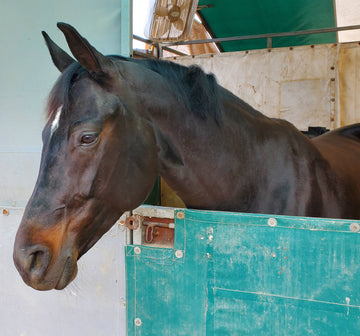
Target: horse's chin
<point>69,273</point>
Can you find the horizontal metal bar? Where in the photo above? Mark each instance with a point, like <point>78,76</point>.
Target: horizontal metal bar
<point>262,36</point>
<point>141,39</point>
<point>142,54</point>
<point>166,225</point>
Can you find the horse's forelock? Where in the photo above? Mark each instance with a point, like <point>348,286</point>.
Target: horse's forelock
<point>60,93</point>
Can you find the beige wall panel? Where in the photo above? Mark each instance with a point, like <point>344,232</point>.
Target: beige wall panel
<point>299,99</point>
<point>349,83</point>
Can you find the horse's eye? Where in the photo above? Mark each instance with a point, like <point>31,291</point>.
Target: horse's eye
<point>88,139</point>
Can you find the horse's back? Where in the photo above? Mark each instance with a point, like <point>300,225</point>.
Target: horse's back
<point>351,131</point>
<point>341,143</point>
<point>341,149</point>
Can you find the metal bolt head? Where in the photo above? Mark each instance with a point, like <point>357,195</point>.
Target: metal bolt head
<point>5,212</point>
<point>179,254</point>
<point>180,215</point>
<point>272,222</point>
<point>137,250</point>
<point>138,322</point>
<point>354,227</point>
<point>132,223</point>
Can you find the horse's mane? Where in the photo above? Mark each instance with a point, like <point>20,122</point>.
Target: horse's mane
<point>198,90</point>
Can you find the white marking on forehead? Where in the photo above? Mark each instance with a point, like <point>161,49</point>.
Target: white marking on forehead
<point>55,122</point>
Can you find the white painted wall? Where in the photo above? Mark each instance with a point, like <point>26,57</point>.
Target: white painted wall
<point>27,75</point>
<point>94,304</point>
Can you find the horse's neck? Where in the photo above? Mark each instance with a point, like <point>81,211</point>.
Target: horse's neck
<point>237,162</point>
<point>209,158</point>
<point>201,158</point>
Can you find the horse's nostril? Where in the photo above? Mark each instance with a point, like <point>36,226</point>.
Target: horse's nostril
<point>38,259</point>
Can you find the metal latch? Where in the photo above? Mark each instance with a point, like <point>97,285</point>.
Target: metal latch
<point>154,230</point>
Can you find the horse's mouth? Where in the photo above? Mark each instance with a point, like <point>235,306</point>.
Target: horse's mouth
<point>59,281</point>
<point>68,274</point>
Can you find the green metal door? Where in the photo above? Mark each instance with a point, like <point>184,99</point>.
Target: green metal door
<point>241,274</point>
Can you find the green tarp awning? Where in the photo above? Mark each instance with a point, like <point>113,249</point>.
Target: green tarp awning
<point>225,18</point>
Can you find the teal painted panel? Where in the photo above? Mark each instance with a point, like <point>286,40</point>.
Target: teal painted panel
<point>234,274</point>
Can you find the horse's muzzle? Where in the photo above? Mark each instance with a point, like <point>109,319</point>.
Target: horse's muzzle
<point>38,269</point>
<point>32,262</point>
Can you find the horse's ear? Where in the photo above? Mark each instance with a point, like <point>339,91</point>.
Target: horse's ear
<point>83,51</point>
<point>60,58</point>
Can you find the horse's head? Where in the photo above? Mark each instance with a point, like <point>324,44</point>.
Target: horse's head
<point>98,160</point>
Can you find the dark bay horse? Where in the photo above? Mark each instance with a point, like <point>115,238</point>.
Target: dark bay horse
<point>115,124</point>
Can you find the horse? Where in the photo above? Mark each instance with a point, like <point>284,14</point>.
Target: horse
<point>114,124</point>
